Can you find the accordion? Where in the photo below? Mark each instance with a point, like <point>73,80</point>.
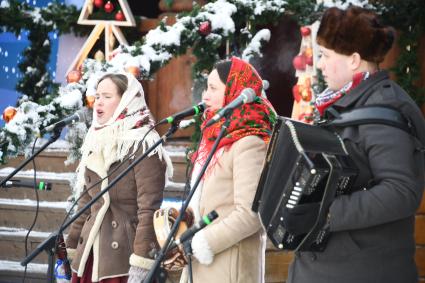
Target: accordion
<point>304,164</point>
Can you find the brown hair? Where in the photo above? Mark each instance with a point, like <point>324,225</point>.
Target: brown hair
<point>223,69</point>
<point>119,80</point>
<point>355,30</point>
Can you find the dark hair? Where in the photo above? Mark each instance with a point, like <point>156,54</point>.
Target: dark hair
<point>355,30</point>
<point>119,80</point>
<point>223,69</point>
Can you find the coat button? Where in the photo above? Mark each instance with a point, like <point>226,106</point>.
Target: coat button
<point>114,245</point>
<point>313,256</point>
<point>114,224</point>
<point>81,240</point>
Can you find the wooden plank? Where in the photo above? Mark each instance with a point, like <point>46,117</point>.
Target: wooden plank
<point>174,91</point>
<point>420,229</point>
<point>420,260</point>
<point>176,6</point>
<point>147,24</point>
<point>277,263</point>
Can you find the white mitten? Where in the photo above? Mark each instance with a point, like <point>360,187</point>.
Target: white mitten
<point>201,249</point>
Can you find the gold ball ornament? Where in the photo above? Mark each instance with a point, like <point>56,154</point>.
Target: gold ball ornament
<point>73,76</point>
<point>308,52</point>
<point>9,113</point>
<point>99,56</point>
<point>134,70</point>
<point>90,100</point>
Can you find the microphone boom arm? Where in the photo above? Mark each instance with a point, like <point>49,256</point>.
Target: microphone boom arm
<point>56,134</point>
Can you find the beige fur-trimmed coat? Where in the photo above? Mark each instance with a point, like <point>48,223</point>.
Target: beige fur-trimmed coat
<point>236,237</point>
<point>119,226</point>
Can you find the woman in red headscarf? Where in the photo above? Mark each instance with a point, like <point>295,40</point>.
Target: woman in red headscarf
<point>232,248</point>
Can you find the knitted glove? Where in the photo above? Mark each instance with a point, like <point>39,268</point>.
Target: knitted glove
<point>136,274</point>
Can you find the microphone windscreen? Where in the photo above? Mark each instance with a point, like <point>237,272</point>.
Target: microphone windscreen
<point>249,95</point>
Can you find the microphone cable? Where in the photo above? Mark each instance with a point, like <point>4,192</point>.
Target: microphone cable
<point>36,211</point>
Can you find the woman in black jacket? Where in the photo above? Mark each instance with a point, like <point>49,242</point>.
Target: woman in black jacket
<point>372,229</point>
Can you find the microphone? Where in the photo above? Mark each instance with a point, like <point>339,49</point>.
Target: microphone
<point>189,233</point>
<point>81,115</point>
<point>247,96</point>
<point>199,108</point>
<point>42,186</point>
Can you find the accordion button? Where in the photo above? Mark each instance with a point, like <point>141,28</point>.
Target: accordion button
<point>114,224</point>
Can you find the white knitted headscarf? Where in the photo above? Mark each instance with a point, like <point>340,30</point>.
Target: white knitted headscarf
<point>124,130</point>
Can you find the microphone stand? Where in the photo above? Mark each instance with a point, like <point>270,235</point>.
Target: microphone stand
<point>49,244</point>
<point>161,254</point>
<point>55,135</point>
<point>187,248</point>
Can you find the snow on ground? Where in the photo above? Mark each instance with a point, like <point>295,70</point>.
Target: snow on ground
<point>33,203</point>
<point>40,174</point>
<point>16,266</point>
<point>21,232</point>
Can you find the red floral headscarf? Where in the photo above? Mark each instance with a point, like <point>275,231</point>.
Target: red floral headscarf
<point>256,118</point>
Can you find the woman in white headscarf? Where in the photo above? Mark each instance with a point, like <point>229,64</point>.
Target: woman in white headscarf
<point>114,240</point>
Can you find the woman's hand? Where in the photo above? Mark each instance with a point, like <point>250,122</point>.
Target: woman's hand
<point>136,274</point>
<point>201,249</point>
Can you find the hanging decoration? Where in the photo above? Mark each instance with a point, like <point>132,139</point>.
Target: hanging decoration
<point>110,28</point>
<point>205,28</point>
<point>73,76</point>
<point>90,101</point>
<point>119,16</point>
<point>134,70</point>
<point>9,113</point>
<point>305,71</point>
<point>109,7</point>
<point>98,3</point>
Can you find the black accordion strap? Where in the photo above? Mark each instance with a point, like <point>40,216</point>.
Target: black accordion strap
<point>369,115</point>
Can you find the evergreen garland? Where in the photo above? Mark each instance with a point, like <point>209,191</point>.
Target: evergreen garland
<point>150,54</point>
<point>36,83</point>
